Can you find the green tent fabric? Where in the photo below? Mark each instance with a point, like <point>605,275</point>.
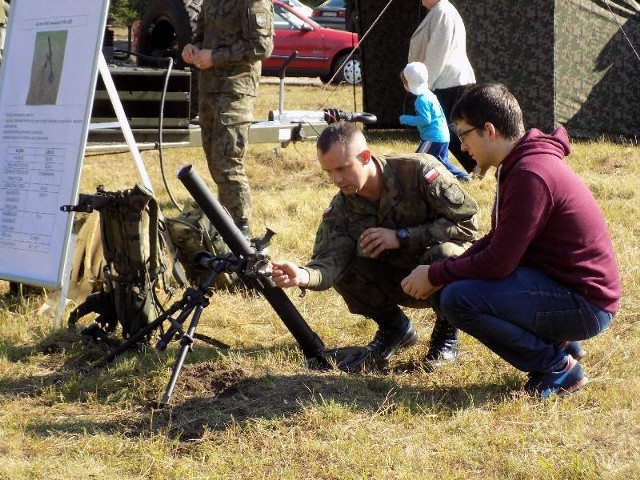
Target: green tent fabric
<point>598,89</point>
<point>574,62</point>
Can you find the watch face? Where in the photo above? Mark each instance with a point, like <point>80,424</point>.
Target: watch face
<point>403,236</point>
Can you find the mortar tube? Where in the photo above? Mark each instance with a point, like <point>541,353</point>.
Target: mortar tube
<point>311,345</point>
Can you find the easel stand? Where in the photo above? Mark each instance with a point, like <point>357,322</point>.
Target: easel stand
<point>123,123</point>
<point>191,304</point>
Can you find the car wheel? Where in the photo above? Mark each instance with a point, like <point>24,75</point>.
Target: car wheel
<point>350,70</point>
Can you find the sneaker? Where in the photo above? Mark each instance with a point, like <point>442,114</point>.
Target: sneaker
<point>443,347</point>
<point>386,342</point>
<point>572,348</point>
<point>561,382</point>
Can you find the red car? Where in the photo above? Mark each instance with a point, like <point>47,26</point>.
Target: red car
<point>322,52</point>
<point>166,26</point>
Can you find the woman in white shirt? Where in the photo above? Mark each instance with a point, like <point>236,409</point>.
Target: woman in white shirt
<point>440,42</point>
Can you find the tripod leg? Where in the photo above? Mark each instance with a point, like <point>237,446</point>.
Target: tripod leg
<point>176,327</point>
<point>143,332</point>
<point>186,342</point>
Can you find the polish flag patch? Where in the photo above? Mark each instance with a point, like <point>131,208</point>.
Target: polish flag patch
<point>431,175</point>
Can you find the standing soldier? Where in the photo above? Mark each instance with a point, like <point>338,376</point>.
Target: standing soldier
<point>392,213</point>
<point>4,13</point>
<point>230,40</point>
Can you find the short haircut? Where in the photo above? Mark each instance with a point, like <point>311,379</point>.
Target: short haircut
<point>340,132</point>
<point>490,102</point>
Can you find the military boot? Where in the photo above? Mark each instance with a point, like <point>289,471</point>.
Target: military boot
<point>443,348</point>
<point>395,331</point>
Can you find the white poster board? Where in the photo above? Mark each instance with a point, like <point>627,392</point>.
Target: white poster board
<point>47,85</point>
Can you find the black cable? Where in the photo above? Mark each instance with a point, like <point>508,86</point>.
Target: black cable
<point>170,65</point>
<point>160,125</point>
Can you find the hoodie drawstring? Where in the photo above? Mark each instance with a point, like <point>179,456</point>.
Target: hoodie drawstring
<point>497,199</point>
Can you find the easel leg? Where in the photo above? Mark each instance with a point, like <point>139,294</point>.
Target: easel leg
<point>66,279</point>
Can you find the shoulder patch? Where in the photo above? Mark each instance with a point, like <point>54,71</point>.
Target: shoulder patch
<point>454,194</point>
<point>327,211</point>
<point>262,19</point>
<point>431,175</point>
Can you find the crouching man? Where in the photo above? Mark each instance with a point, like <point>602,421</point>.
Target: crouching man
<point>545,276</point>
<point>391,214</point>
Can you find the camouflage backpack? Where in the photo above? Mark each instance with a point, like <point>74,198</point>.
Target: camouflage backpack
<point>133,250</point>
<point>191,233</point>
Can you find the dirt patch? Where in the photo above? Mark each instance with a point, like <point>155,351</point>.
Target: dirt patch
<point>208,379</point>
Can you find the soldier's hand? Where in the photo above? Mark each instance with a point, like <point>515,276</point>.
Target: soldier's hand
<point>374,241</point>
<point>188,53</point>
<point>288,274</point>
<point>417,283</point>
<point>202,59</point>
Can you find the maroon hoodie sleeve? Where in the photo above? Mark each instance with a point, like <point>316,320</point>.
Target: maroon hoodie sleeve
<point>517,220</point>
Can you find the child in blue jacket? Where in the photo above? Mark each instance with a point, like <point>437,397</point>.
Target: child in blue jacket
<point>429,118</point>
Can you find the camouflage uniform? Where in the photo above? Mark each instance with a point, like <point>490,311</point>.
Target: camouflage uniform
<point>419,194</point>
<point>3,26</point>
<point>240,34</point>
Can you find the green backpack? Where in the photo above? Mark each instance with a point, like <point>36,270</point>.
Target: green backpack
<point>192,233</point>
<point>134,252</point>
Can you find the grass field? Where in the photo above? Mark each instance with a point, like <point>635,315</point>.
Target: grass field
<point>255,411</point>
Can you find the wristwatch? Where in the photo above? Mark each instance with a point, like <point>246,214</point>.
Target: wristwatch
<point>403,237</point>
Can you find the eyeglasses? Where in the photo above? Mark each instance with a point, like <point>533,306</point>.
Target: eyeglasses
<point>464,133</point>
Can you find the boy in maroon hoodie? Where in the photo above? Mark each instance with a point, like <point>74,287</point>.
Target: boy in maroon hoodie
<point>545,276</point>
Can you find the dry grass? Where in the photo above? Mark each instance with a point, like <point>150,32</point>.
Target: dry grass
<point>254,411</point>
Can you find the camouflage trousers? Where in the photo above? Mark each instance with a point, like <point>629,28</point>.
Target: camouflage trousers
<point>371,287</point>
<point>3,29</point>
<point>225,119</point>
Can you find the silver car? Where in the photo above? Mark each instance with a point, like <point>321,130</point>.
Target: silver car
<point>331,13</point>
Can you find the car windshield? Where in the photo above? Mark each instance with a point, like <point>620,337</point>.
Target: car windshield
<point>284,19</point>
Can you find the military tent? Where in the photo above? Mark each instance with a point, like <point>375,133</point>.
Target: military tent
<point>574,62</point>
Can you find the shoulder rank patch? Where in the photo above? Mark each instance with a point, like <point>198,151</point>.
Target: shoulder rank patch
<point>327,211</point>
<point>261,19</point>
<point>431,175</point>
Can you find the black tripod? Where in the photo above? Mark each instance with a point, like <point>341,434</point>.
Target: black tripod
<point>192,303</point>
<point>247,259</point>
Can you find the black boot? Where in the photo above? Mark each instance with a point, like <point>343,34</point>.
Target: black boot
<point>443,348</point>
<point>395,331</point>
